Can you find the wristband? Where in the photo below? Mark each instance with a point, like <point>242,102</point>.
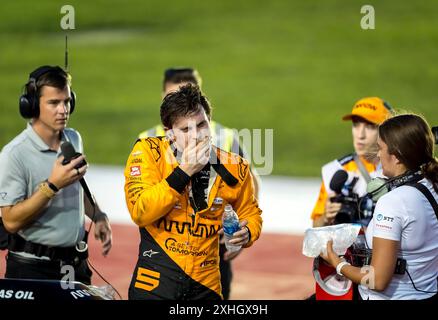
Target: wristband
<point>340,265</point>
<point>46,190</point>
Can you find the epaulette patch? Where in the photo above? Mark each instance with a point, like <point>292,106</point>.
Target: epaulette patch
<point>155,148</point>
<point>243,169</point>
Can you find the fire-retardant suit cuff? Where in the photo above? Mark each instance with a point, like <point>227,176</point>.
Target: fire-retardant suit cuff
<point>178,179</point>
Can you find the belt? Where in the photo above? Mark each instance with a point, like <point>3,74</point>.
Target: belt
<point>18,244</point>
<point>52,264</point>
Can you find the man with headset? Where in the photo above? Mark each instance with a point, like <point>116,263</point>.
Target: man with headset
<point>42,203</point>
<point>366,115</point>
<point>223,137</point>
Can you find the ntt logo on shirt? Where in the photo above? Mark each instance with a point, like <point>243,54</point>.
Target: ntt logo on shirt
<point>381,217</point>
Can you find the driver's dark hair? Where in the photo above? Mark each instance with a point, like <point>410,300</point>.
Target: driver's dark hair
<point>188,100</point>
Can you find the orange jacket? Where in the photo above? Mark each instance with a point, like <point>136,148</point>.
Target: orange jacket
<point>167,214</point>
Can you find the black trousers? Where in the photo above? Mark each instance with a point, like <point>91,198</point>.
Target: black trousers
<point>226,272</point>
<point>18,267</point>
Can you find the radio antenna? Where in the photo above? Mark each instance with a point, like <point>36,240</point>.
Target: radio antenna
<point>66,54</point>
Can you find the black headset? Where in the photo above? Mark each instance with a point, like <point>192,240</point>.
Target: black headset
<point>377,187</point>
<point>29,101</point>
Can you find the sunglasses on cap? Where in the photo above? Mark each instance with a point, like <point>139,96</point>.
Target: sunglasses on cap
<point>387,106</point>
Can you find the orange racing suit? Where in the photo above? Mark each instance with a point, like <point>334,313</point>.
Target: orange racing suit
<point>179,248</point>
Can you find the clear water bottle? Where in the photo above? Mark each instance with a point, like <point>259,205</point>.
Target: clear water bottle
<point>230,222</point>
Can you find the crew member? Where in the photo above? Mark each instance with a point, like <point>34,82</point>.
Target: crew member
<point>42,203</point>
<point>403,232</point>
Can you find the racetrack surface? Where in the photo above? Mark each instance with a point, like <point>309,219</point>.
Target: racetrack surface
<point>273,268</point>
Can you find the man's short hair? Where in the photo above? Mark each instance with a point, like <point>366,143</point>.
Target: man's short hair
<point>56,77</point>
<point>187,101</point>
<point>180,75</point>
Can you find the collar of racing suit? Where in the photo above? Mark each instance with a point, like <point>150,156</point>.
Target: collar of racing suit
<point>215,162</point>
<point>201,182</point>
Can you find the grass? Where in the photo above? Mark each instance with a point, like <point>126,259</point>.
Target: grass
<point>293,66</point>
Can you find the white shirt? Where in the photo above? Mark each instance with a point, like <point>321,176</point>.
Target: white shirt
<point>405,215</point>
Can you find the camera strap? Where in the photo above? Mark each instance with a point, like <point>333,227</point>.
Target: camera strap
<point>424,190</point>
<point>361,167</point>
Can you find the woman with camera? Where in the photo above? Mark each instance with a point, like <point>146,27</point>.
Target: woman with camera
<point>403,233</point>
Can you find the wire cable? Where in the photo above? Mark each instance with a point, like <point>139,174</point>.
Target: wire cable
<point>89,262</point>
<point>415,287</point>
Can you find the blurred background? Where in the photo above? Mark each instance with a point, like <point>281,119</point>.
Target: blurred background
<point>292,66</point>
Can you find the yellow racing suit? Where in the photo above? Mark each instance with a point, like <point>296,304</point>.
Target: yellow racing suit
<point>179,248</point>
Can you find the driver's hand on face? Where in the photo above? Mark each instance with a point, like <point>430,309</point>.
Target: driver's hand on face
<point>196,155</point>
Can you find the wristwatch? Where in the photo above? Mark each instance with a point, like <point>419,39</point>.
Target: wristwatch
<point>52,186</point>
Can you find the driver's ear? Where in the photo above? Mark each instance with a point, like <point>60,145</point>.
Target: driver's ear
<point>169,134</point>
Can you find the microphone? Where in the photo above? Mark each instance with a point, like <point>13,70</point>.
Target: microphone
<point>69,153</point>
<point>338,181</point>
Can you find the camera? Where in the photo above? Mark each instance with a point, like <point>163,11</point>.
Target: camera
<point>349,211</point>
<point>354,209</point>
<point>345,195</point>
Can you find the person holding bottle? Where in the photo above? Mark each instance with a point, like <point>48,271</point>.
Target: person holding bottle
<point>365,116</point>
<point>176,189</point>
<point>404,229</point>
<point>223,137</point>
<point>231,225</point>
